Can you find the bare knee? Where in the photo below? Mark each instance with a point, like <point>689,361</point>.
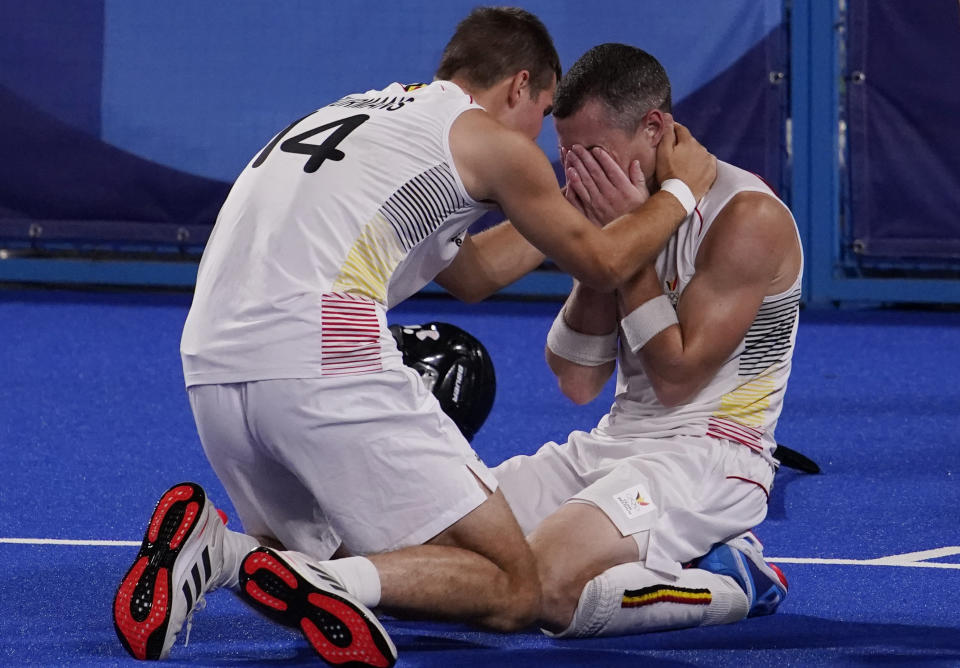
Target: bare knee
<point>517,599</point>
<point>518,604</point>
<point>560,595</point>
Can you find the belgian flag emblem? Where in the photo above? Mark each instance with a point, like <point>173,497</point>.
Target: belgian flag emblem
<point>638,598</point>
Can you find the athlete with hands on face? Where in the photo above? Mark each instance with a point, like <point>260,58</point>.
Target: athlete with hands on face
<point>701,337</point>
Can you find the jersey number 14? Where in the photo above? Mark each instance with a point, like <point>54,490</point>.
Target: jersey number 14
<point>318,152</point>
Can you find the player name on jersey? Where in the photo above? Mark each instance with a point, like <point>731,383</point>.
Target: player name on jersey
<point>384,103</point>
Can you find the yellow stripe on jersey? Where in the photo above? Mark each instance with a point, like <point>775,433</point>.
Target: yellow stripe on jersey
<point>371,262</point>
<point>748,403</point>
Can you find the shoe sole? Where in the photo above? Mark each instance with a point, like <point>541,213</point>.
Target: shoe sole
<point>340,632</point>
<point>142,604</point>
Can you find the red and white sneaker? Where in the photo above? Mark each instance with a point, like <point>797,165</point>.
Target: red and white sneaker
<point>180,559</point>
<point>294,590</point>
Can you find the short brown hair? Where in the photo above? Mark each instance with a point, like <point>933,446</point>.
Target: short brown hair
<point>628,81</point>
<point>493,43</point>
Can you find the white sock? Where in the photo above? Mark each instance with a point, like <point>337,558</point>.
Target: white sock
<point>631,598</point>
<point>236,546</point>
<point>358,576</point>
<point>730,603</point>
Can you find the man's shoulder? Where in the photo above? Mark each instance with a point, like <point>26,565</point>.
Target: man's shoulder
<point>739,193</point>
<point>732,179</point>
<point>749,228</point>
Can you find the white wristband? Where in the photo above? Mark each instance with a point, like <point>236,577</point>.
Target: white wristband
<point>584,349</point>
<point>647,320</point>
<point>682,192</point>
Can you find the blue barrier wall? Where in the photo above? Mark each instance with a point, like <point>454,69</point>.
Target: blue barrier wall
<point>165,103</point>
<point>903,115</point>
<point>127,120</point>
<point>821,81</point>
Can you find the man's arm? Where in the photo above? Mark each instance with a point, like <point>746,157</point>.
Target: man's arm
<point>503,166</point>
<point>594,313</point>
<point>587,311</point>
<point>749,252</point>
<point>487,262</point>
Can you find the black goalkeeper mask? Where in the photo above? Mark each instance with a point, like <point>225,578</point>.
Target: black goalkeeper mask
<point>454,366</point>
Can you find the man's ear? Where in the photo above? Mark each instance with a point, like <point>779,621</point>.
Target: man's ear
<point>519,86</point>
<point>653,125</point>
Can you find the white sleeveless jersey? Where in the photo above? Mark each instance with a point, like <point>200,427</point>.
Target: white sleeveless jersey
<point>344,214</point>
<point>743,401</point>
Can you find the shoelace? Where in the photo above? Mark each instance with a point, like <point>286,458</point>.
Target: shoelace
<point>201,604</point>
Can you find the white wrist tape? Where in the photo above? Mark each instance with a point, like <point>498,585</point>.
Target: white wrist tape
<point>584,349</point>
<point>647,320</point>
<point>682,192</point>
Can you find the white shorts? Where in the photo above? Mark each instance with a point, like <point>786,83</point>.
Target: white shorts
<point>677,496</point>
<point>367,460</point>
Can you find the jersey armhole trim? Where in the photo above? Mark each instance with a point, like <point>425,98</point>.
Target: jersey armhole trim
<point>448,155</point>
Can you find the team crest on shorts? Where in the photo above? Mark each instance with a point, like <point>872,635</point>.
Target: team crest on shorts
<point>634,501</point>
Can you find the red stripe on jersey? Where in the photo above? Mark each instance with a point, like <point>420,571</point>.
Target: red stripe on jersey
<point>350,334</point>
<point>734,431</point>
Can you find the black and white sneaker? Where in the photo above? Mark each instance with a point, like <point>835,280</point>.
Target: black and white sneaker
<point>294,590</point>
<point>180,559</point>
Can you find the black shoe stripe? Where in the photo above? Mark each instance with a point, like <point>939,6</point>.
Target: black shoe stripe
<point>207,571</point>
<point>188,595</point>
<point>195,572</point>
<point>326,577</point>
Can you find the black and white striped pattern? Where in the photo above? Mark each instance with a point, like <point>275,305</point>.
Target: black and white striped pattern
<point>199,582</point>
<point>327,578</point>
<point>768,339</point>
<point>420,205</point>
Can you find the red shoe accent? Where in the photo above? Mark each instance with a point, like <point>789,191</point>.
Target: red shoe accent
<point>181,493</point>
<point>253,589</point>
<point>260,560</point>
<point>189,515</point>
<point>302,605</point>
<point>138,633</point>
<point>223,516</point>
<point>361,648</point>
<point>783,578</point>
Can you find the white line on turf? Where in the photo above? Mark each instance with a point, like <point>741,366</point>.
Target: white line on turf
<point>907,559</point>
<point>67,541</point>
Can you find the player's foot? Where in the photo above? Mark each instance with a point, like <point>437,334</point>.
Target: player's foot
<point>290,588</point>
<point>180,559</point>
<point>742,559</point>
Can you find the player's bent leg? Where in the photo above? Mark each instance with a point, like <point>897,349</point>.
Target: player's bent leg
<point>730,583</point>
<point>572,546</point>
<point>480,569</point>
<point>630,599</point>
<point>186,552</point>
<point>595,581</point>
